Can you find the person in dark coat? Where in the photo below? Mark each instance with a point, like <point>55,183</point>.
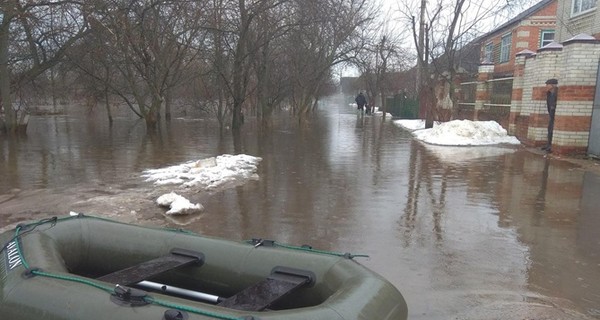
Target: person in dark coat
<point>361,101</point>
<point>551,99</point>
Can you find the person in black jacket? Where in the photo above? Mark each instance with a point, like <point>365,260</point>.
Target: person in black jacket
<point>551,99</point>
<point>361,101</point>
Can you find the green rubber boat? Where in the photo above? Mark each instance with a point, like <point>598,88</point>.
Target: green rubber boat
<point>83,267</point>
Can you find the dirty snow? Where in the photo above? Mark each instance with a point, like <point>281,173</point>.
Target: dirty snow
<point>178,204</point>
<point>207,173</point>
<point>459,133</point>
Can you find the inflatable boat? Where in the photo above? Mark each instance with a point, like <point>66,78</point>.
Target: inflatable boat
<point>85,267</point>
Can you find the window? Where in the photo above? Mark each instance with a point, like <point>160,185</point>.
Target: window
<point>546,37</point>
<point>488,52</point>
<point>580,6</point>
<point>505,48</point>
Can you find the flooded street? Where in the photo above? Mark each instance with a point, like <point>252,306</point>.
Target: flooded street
<point>462,232</point>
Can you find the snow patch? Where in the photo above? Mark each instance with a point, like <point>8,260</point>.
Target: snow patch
<point>178,204</point>
<point>459,133</point>
<point>207,173</point>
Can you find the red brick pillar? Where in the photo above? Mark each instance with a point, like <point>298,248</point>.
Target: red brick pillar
<point>576,89</point>
<point>516,103</point>
<point>482,94</point>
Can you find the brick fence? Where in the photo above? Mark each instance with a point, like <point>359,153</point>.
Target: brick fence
<point>575,64</point>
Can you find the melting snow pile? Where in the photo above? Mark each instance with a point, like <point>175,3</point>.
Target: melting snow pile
<point>412,125</point>
<point>178,204</point>
<point>207,173</point>
<point>461,133</point>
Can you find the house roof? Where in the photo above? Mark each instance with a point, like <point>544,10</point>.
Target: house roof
<point>466,59</point>
<point>520,17</point>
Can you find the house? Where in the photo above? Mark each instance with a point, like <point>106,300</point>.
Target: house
<point>529,30</point>
<point>577,17</point>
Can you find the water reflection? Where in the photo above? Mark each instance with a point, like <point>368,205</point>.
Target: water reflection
<point>456,229</point>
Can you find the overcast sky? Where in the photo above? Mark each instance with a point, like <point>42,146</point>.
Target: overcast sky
<point>390,10</point>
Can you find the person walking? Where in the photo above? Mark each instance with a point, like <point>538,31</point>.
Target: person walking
<point>361,101</point>
<point>551,99</point>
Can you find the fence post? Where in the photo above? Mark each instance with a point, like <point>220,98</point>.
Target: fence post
<point>576,91</point>
<point>517,94</point>
<point>482,95</point>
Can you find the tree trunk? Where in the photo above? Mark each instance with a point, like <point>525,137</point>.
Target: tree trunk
<point>240,67</point>
<point>9,123</point>
<point>426,101</point>
<point>168,105</point>
<point>152,116</point>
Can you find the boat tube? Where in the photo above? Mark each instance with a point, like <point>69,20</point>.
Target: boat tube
<point>85,267</point>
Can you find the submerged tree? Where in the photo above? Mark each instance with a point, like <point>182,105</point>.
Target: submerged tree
<point>34,37</point>
<point>146,47</point>
<point>329,36</point>
<point>234,54</point>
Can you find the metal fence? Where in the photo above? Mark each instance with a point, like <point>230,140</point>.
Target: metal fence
<point>500,91</point>
<point>403,106</point>
<point>468,92</point>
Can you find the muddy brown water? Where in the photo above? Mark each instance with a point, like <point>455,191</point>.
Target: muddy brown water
<point>463,232</point>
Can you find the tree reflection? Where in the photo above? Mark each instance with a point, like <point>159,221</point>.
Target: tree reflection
<point>422,168</point>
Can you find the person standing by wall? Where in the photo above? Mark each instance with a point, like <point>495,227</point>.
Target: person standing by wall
<point>551,98</point>
<point>361,101</point>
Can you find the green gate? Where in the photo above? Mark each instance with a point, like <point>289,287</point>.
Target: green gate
<point>401,106</point>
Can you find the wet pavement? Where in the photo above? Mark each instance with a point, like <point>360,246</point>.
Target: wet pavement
<point>499,232</point>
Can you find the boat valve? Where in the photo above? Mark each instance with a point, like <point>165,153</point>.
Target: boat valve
<point>175,315</point>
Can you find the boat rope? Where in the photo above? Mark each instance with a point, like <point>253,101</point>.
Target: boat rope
<point>72,279</point>
<point>21,230</point>
<point>259,242</point>
<point>23,226</point>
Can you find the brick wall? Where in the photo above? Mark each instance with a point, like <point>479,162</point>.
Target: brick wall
<point>574,64</point>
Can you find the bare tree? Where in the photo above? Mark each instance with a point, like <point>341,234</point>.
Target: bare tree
<point>270,59</point>
<point>443,27</point>
<point>382,55</point>
<point>146,47</point>
<point>34,37</point>
<point>233,54</point>
<point>329,36</point>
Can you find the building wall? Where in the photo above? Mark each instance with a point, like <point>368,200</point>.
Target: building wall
<point>525,35</point>
<point>572,25</point>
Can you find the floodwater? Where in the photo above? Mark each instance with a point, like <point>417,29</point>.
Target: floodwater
<point>463,232</point>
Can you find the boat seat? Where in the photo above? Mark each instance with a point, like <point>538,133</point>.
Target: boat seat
<point>263,294</point>
<point>175,259</point>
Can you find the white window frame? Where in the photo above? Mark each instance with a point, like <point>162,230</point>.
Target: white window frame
<point>488,52</point>
<point>544,32</point>
<point>505,48</point>
<point>577,6</point>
